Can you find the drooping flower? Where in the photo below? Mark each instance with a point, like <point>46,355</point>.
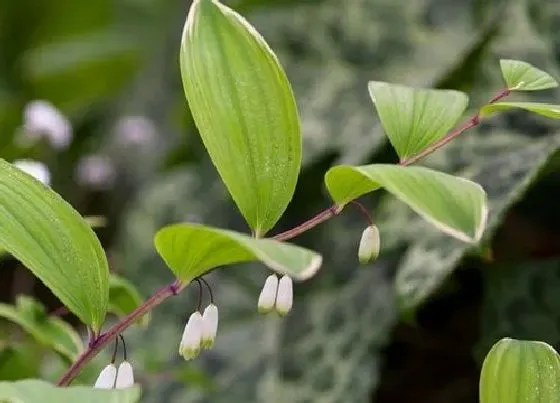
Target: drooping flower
<point>209,326</point>
<point>36,169</point>
<point>191,342</point>
<point>285,296</point>
<point>125,376</point>
<point>369,245</point>
<point>267,297</point>
<point>107,377</point>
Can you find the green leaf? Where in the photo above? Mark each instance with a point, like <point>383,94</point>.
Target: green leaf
<point>52,240</point>
<point>190,250</point>
<point>520,371</point>
<point>33,390</point>
<point>454,205</point>
<point>19,361</point>
<point>522,76</point>
<point>547,110</point>
<point>50,331</point>
<point>125,298</point>
<point>415,118</point>
<point>244,108</point>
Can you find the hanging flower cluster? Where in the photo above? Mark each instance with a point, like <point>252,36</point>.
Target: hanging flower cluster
<point>112,377</point>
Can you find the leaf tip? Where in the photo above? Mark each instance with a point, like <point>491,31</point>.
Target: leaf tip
<point>312,268</point>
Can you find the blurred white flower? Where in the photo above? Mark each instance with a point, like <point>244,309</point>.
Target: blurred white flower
<point>209,326</point>
<point>106,378</point>
<point>268,294</point>
<point>285,297</point>
<point>36,169</point>
<point>42,119</point>
<point>135,131</point>
<point>369,245</point>
<point>191,342</point>
<point>125,376</point>
<point>95,171</point>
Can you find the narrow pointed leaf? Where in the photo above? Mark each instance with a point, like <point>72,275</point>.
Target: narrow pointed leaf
<point>244,109</point>
<point>50,331</point>
<point>522,76</point>
<point>52,240</point>
<point>125,298</point>
<point>547,110</point>
<point>415,118</point>
<point>34,390</point>
<point>190,250</point>
<point>516,371</point>
<point>454,205</point>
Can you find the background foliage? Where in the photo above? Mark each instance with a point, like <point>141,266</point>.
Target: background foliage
<point>356,334</point>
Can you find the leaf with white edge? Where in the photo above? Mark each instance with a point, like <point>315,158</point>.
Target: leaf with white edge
<point>454,205</point>
<point>125,298</point>
<point>48,330</point>
<point>414,118</point>
<point>244,109</point>
<point>520,371</point>
<point>35,390</point>
<point>190,250</point>
<point>547,110</point>
<point>52,240</point>
<point>522,76</point>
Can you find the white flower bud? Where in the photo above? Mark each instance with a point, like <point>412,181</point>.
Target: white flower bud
<point>285,297</point>
<point>268,294</point>
<point>369,245</point>
<point>106,378</point>
<point>42,119</point>
<point>192,337</point>
<point>125,376</point>
<point>36,169</point>
<point>209,326</point>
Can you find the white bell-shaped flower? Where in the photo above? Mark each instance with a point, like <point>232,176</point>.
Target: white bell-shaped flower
<point>209,326</point>
<point>268,294</point>
<point>191,342</point>
<point>125,376</point>
<point>42,119</point>
<point>36,169</point>
<point>285,297</point>
<point>107,377</point>
<point>369,245</point>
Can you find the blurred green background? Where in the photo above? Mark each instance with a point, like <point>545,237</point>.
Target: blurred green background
<point>415,325</point>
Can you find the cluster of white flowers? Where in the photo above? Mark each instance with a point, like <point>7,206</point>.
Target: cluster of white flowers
<point>113,378</point>
<point>200,332</point>
<point>276,294</point>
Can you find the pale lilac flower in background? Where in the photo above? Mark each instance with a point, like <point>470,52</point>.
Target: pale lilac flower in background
<point>43,120</point>
<point>36,169</point>
<point>135,131</point>
<point>96,171</point>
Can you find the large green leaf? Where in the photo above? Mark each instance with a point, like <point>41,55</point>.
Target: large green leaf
<point>454,205</point>
<point>548,110</point>
<point>415,118</point>
<point>522,76</point>
<point>243,106</point>
<point>125,298</point>
<point>52,240</point>
<point>33,390</point>
<point>50,331</point>
<point>190,250</point>
<point>520,371</point>
<point>504,164</point>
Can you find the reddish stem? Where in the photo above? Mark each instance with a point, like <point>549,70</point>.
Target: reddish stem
<point>101,341</point>
<point>98,342</point>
